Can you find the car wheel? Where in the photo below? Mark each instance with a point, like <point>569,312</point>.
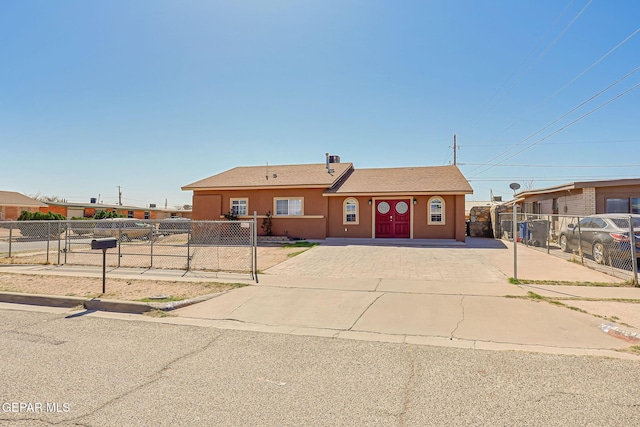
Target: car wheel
<point>598,253</point>
<point>564,245</point>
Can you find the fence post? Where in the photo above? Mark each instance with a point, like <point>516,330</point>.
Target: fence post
<point>254,248</point>
<point>580,242</point>
<point>548,235</point>
<point>10,237</point>
<point>151,236</point>
<point>634,255</point>
<point>67,244</point>
<point>59,249</point>
<point>189,236</point>
<point>515,241</point>
<point>48,239</point>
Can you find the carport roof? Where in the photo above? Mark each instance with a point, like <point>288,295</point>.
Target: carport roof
<point>407,180</point>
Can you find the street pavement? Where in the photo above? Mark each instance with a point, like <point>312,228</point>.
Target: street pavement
<point>115,370</point>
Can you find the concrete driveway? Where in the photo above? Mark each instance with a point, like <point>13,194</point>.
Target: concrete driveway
<point>442,294</point>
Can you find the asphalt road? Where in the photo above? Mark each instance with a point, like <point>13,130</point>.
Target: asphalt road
<point>101,371</point>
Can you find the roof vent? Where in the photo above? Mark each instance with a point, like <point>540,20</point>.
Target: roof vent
<point>331,159</point>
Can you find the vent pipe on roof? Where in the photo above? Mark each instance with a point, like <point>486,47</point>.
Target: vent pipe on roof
<point>331,159</point>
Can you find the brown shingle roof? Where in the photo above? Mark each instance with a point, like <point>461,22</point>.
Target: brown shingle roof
<point>12,198</point>
<point>311,175</point>
<point>414,180</point>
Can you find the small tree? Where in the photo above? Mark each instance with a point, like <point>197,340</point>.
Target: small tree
<point>267,223</point>
<point>231,216</point>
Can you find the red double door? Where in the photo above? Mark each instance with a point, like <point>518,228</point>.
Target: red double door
<point>393,218</point>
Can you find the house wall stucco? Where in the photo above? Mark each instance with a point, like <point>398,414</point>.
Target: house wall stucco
<point>324,215</point>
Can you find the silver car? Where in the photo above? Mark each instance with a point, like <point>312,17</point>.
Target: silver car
<point>603,237</point>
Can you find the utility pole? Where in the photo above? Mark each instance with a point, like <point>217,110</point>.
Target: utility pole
<point>455,150</point>
<point>119,195</point>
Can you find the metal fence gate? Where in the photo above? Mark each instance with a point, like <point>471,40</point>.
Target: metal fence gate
<point>607,243</point>
<point>224,246</point>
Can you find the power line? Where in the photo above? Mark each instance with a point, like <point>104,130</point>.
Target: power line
<point>558,143</point>
<point>566,85</point>
<point>563,116</point>
<point>555,166</point>
<point>570,123</point>
<point>525,59</point>
<point>550,178</point>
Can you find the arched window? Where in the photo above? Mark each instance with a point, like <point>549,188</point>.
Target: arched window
<point>436,211</point>
<point>351,214</point>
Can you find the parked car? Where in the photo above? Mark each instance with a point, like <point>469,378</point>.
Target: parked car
<point>123,229</point>
<point>174,225</point>
<point>603,237</point>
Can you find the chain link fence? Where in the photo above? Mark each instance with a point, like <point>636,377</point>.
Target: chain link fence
<point>609,243</point>
<point>220,246</point>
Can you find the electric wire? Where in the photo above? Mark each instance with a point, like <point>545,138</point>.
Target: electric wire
<point>557,166</point>
<point>539,57</point>
<point>562,117</point>
<point>570,82</point>
<point>564,127</point>
<point>514,72</point>
<point>557,143</point>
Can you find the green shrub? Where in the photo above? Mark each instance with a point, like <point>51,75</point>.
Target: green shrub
<point>39,230</point>
<point>105,215</point>
<point>39,216</point>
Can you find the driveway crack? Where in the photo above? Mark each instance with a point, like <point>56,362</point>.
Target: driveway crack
<point>461,320</point>
<point>364,311</point>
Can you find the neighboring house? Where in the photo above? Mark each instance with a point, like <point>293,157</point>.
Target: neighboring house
<point>88,210</point>
<point>316,201</point>
<point>12,204</point>
<point>584,198</point>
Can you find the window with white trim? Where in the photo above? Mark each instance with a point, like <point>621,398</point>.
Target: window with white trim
<point>239,206</point>
<point>350,212</point>
<point>436,211</point>
<point>289,206</point>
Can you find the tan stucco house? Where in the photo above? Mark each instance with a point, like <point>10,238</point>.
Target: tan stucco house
<point>316,201</point>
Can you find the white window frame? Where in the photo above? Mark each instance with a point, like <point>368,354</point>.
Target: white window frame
<point>430,221</point>
<point>239,199</point>
<point>288,199</point>
<point>350,201</point>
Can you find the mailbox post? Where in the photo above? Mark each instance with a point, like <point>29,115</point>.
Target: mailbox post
<point>104,244</point>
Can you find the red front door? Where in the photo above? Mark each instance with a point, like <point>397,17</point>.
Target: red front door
<point>393,218</point>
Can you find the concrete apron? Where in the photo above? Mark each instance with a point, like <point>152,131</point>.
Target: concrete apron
<point>418,312</point>
<point>416,295</point>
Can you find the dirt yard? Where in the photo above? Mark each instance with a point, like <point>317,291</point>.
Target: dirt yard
<point>130,290</point>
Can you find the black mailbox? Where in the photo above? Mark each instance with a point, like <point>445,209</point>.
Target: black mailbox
<point>106,243</point>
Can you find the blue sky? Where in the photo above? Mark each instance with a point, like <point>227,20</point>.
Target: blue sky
<point>153,95</point>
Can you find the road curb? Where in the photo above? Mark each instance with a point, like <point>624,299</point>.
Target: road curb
<point>37,299</point>
<point>98,304</point>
